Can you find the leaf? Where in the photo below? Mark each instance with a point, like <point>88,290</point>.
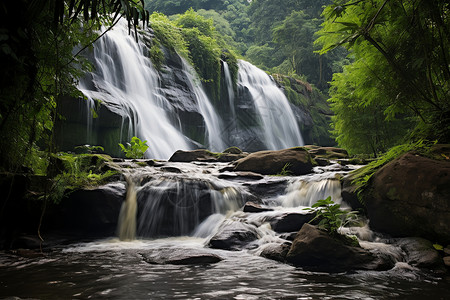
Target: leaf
<point>438,247</point>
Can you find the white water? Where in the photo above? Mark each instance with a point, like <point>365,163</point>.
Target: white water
<point>128,212</point>
<point>277,118</point>
<point>126,80</point>
<point>212,120</point>
<point>229,82</point>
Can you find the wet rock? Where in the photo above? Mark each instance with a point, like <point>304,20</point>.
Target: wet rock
<point>420,253</point>
<point>93,212</point>
<point>233,150</point>
<point>316,250</point>
<point>349,193</point>
<point>171,169</point>
<point>410,196</point>
<point>289,236</point>
<point>447,250</point>
<point>290,222</point>
<point>275,251</point>
<point>322,161</point>
<point>297,160</point>
<point>194,155</point>
<point>253,207</point>
<point>447,261</point>
<point>269,188</point>
<point>26,242</point>
<point>184,256</point>
<point>233,235</point>
<point>327,152</point>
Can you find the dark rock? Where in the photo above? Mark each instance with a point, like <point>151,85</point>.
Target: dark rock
<point>447,261</point>
<point>410,196</point>
<point>184,256</point>
<point>327,152</point>
<point>233,235</point>
<point>229,157</point>
<point>93,212</point>
<point>171,170</point>
<point>270,188</point>
<point>349,193</point>
<point>289,236</point>
<point>322,161</point>
<point>26,242</point>
<point>194,155</point>
<point>275,251</point>
<point>233,150</point>
<point>252,207</point>
<point>420,253</point>
<point>297,159</point>
<point>316,250</point>
<point>290,222</point>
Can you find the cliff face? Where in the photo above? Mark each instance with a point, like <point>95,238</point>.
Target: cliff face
<point>311,109</point>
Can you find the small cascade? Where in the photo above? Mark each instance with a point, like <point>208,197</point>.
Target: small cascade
<point>229,82</point>
<point>175,206</point>
<point>306,193</point>
<point>212,120</point>
<point>126,82</point>
<point>279,126</point>
<point>127,216</point>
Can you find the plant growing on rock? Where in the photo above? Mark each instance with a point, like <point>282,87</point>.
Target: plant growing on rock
<point>331,216</point>
<point>135,149</point>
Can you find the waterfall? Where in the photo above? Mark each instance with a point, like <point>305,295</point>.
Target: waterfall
<point>229,82</point>
<point>213,123</point>
<point>127,216</point>
<point>306,193</point>
<point>175,206</point>
<point>280,129</point>
<point>126,82</point>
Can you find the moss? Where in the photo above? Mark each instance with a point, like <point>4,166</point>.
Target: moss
<point>232,150</point>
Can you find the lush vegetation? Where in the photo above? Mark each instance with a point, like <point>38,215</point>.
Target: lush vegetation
<point>134,149</point>
<point>397,87</point>
<point>330,215</point>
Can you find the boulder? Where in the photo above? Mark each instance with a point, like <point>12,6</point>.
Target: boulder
<point>327,152</point>
<point>194,155</point>
<point>316,250</point>
<point>275,251</point>
<point>89,212</point>
<point>233,235</point>
<point>183,256</point>
<point>290,222</point>
<point>253,207</point>
<point>233,150</point>
<point>420,253</point>
<point>297,160</point>
<point>410,196</point>
<point>204,155</point>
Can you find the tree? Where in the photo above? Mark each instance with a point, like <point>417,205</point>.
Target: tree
<point>410,40</point>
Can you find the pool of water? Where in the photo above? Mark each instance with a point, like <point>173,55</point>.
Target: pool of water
<point>109,269</point>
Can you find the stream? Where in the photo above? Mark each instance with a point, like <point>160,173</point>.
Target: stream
<point>113,269</point>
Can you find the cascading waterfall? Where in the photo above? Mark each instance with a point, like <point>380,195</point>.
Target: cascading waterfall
<point>280,127</point>
<point>212,120</point>
<point>125,80</point>
<point>128,211</point>
<point>175,206</point>
<point>229,82</point>
<point>306,193</point>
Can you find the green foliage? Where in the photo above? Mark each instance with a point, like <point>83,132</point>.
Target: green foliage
<point>135,149</point>
<point>285,170</point>
<point>400,50</point>
<point>331,216</point>
<point>168,34</point>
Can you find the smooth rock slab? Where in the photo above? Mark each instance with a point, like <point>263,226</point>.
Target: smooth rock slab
<point>289,222</point>
<point>183,256</point>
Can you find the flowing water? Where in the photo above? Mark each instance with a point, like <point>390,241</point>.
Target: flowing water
<point>125,81</point>
<point>189,202</point>
<point>279,125</point>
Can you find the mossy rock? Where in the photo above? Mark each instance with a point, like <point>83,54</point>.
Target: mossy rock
<point>232,150</point>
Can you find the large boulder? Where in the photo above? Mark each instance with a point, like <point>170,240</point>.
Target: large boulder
<point>327,152</point>
<point>314,249</point>
<point>233,235</point>
<point>289,222</point>
<point>88,212</point>
<point>204,155</point>
<point>296,160</point>
<point>410,196</point>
